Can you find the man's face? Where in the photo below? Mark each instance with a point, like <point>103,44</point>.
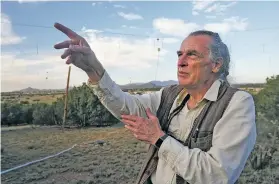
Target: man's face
<point>194,64</point>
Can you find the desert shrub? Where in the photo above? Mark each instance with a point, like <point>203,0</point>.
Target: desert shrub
<point>85,108</point>
<point>24,102</point>
<point>262,156</point>
<point>267,101</point>
<point>267,109</point>
<point>43,114</point>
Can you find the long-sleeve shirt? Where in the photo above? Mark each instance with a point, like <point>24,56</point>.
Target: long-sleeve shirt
<point>234,134</point>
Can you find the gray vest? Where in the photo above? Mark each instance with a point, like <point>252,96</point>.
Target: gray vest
<point>201,132</point>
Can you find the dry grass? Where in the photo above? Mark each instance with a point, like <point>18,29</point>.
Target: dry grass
<point>118,161</point>
<point>42,98</point>
<point>32,98</point>
<point>10,128</point>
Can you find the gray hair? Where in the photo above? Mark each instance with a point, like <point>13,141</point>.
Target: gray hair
<point>217,50</point>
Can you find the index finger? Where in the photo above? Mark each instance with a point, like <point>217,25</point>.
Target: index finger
<point>71,34</point>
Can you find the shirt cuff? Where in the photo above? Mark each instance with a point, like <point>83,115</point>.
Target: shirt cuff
<point>103,88</point>
<point>104,82</point>
<point>170,150</point>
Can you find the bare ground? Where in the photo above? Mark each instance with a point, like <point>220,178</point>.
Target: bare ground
<point>117,161</point>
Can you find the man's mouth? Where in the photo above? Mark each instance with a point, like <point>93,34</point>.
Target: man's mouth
<point>181,70</point>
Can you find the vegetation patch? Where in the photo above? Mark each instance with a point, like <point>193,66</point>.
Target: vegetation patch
<point>109,155</point>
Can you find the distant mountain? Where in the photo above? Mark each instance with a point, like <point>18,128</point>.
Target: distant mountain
<point>159,84</point>
<point>29,90</point>
<point>34,90</point>
<point>151,84</point>
<point>164,83</point>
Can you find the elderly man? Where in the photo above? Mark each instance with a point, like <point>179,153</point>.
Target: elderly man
<point>200,131</point>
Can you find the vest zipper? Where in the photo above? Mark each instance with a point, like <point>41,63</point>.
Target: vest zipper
<point>196,134</point>
<point>196,125</point>
<point>191,134</point>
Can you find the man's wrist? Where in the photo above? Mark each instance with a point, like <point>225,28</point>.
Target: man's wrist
<point>95,77</point>
<point>161,139</point>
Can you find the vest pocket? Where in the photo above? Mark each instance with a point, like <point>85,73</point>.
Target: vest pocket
<point>202,141</point>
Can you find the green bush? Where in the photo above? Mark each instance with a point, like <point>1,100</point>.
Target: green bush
<point>261,157</point>
<point>84,109</point>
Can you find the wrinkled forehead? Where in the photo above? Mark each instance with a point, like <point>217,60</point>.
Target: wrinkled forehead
<point>199,43</point>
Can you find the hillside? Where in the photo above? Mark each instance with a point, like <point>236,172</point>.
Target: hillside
<point>157,84</point>
<point>151,84</point>
<point>30,90</point>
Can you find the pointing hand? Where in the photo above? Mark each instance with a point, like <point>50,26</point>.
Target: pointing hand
<point>79,53</point>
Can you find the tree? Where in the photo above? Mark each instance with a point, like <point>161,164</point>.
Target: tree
<point>4,114</point>
<point>267,100</point>
<point>58,110</point>
<point>85,108</point>
<point>15,114</point>
<point>27,113</point>
<point>43,114</point>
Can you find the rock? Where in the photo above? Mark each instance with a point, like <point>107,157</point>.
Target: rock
<point>100,142</point>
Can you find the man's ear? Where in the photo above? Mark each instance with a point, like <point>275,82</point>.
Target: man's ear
<point>217,64</point>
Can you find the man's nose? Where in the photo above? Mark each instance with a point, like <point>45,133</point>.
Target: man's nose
<point>182,60</point>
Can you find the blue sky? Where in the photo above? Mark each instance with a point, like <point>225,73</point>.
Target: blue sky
<point>28,59</point>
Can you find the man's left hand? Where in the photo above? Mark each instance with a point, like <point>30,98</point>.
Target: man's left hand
<point>144,129</point>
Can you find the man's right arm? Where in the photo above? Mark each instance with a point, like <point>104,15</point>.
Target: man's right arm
<point>119,102</point>
<point>79,53</point>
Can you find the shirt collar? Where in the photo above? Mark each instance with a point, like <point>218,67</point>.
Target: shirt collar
<point>212,92</point>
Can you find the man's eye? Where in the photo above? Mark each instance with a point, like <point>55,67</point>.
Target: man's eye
<point>179,53</point>
<point>191,54</point>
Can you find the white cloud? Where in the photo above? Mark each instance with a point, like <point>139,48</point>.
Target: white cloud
<point>130,16</point>
<point>210,6</point>
<point>119,6</point>
<point>28,1</point>
<point>122,52</point>
<point>113,52</point>
<point>8,36</point>
<point>195,13</point>
<point>21,71</point>
<point>180,28</point>
<point>237,23</point>
<point>219,8</point>
<point>201,5</point>
<point>174,27</point>
<point>229,24</point>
